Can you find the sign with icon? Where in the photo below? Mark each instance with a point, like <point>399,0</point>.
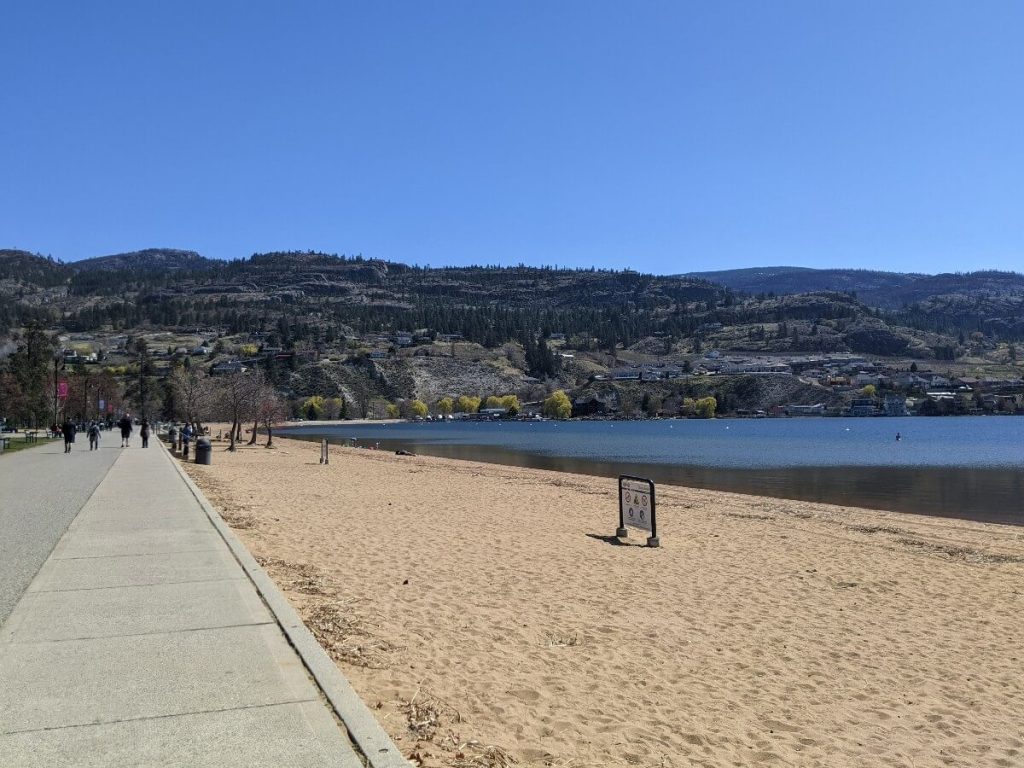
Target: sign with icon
<point>637,507</point>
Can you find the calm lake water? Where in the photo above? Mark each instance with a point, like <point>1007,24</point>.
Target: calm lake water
<point>968,467</point>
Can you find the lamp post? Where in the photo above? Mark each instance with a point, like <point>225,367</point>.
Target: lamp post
<point>143,358</point>
<point>58,365</point>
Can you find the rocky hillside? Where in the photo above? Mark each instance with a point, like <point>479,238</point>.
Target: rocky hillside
<point>366,329</point>
<point>149,260</point>
<point>888,290</point>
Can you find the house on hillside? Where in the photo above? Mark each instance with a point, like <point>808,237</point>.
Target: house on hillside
<point>818,409</point>
<point>625,374</point>
<point>232,366</point>
<point>895,405</point>
<point>595,405</point>
<point>863,406</point>
<point>755,366</point>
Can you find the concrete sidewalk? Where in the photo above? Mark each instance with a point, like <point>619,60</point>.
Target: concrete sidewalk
<point>142,641</point>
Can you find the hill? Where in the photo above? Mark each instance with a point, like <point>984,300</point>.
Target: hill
<point>30,270</point>
<point>888,290</point>
<point>150,259</point>
<point>370,330</point>
<point>874,288</point>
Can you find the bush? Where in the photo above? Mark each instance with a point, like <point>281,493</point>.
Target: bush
<point>313,407</point>
<point>558,406</point>
<point>467,404</point>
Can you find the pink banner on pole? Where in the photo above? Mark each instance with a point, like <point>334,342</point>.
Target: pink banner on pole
<point>62,390</point>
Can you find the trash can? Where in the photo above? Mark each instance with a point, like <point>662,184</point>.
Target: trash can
<point>172,438</point>
<point>204,449</point>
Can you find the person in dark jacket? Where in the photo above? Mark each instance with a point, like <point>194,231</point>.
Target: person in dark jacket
<point>144,433</point>
<point>94,436</point>
<point>126,429</point>
<point>186,439</point>
<point>68,429</point>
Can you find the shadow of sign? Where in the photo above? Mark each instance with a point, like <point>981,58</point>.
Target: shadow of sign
<point>615,541</point>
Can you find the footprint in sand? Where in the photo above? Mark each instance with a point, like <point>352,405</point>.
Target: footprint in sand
<point>525,694</point>
<point>777,725</point>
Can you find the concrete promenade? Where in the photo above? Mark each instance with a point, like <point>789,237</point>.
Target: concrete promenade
<point>41,491</point>
<point>142,641</point>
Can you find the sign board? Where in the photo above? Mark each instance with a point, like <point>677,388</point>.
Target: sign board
<point>324,452</point>
<point>110,407</point>
<point>637,507</point>
<point>62,390</point>
<point>103,405</point>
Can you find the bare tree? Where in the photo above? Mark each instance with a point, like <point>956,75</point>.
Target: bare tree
<point>271,410</point>
<point>258,388</point>
<point>233,402</point>
<point>193,395</point>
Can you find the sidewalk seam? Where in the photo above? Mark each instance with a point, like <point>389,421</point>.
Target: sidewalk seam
<point>364,731</point>
<point>134,586</point>
<point>159,717</point>
<point>89,638</point>
<point>139,554</point>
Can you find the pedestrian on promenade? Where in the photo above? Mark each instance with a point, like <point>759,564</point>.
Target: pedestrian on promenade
<point>68,429</point>
<point>126,429</point>
<point>186,438</point>
<point>94,436</point>
<point>144,433</point>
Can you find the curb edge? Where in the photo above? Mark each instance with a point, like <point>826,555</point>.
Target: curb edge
<point>366,733</point>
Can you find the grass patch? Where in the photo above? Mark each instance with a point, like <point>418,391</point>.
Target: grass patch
<point>18,443</point>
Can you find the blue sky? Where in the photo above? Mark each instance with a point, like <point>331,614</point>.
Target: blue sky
<point>661,136</point>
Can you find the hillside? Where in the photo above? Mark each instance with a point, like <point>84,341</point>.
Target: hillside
<point>888,290</point>
<point>371,331</point>
<point>874,288</point>
<point>151,259</point>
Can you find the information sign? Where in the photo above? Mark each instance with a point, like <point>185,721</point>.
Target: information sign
<point>103,405</point>
<point>637,507</point>
<point>324,455</point>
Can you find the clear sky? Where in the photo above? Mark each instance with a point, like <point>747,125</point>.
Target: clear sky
<point>662,136</point>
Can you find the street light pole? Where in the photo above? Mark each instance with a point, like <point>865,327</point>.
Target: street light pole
<point>142,380</point>
<point>57,356</point>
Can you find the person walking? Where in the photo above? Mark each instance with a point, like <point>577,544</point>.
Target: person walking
<point>68,429</point>
<point>186,438</point>
<point>144,433</point>
<point>94,436</point>
<point>126,429</point>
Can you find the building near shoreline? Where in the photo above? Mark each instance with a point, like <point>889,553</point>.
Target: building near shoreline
<point>818,409</point>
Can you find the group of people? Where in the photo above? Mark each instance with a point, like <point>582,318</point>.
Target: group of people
<point>69,429</point>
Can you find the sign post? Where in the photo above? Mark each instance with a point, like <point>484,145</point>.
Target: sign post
<point>637,508</point>
<point>324,455</point>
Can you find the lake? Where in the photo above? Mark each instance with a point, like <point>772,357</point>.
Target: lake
<point>965,467</point>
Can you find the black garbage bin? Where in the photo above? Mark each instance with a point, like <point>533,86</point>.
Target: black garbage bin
<point>204,450</point>
<point>172,438</point>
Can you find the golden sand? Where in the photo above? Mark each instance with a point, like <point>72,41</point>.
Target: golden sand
<point>484,614</point>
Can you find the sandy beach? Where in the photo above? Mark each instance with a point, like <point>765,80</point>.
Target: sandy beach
<point>489,618</point>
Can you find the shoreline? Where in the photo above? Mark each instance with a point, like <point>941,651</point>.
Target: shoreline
<point>990,494</point>
<point>480,606</point>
